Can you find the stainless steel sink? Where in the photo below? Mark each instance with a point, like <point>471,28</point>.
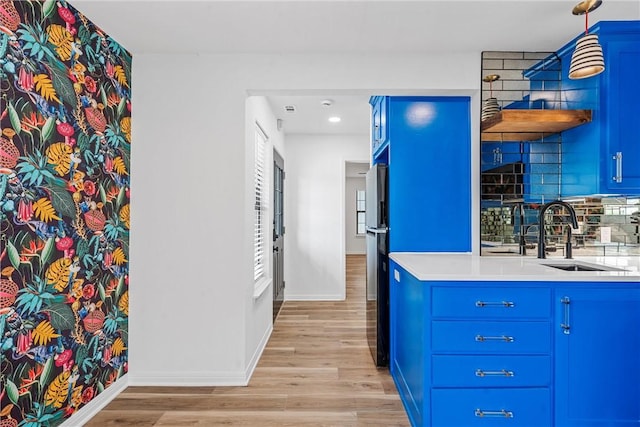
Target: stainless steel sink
<point>581,267</point>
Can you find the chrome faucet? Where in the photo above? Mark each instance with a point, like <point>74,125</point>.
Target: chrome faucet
<point>541,235</point>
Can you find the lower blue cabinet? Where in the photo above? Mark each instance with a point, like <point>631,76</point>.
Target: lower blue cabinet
<point>496,337</point>
<point>490,303</point>
<point>597,357</point>
<point>569,356</point>
<point>522,407</point>
<point>407,331</point>
<point>490,371</point>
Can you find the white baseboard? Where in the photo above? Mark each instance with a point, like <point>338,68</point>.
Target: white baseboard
<point>189,379</point>
<point>92,408</point>
<point>196,379</point>
<point>315,297</point>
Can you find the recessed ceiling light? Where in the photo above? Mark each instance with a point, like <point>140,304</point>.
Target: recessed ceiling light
<point>335,119</point>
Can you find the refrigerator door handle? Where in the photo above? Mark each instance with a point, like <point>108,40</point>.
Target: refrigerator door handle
<point>377,230</point>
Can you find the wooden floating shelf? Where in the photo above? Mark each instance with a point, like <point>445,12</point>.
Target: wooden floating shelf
<point>530,125</point>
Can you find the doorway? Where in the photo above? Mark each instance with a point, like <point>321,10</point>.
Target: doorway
<point>315,150</point>
<point>278,233</point>
<point>354,205</point>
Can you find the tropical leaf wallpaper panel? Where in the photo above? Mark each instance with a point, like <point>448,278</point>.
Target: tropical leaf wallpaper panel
<point>64,211</point>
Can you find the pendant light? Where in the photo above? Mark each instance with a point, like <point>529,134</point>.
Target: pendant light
<point>587,60</point>
<point>490,106</point>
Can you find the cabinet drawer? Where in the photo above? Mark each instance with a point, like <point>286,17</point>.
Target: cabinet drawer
<point>486,303</point>
<point>491,337</point>
<point>490,407</point>
<point>491,371</point>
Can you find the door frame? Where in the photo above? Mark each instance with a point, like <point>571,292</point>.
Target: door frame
<point>278,160</point>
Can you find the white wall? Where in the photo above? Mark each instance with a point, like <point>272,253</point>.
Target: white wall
<point>193,318</point>
<point>314,265</point>
<point>354,243</point>
<point>259,313</point>
<point>189,247</point>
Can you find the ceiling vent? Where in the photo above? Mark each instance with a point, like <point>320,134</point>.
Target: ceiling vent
<point>290,108</point>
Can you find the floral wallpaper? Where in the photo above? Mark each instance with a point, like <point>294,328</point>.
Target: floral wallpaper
<point>64,211</point>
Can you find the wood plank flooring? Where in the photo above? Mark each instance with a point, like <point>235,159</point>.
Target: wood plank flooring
<point>316,371</point>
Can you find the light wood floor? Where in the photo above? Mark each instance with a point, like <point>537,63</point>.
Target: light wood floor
<point>316,371</point>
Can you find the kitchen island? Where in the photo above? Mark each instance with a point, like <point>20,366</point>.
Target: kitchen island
<point>511,341</point>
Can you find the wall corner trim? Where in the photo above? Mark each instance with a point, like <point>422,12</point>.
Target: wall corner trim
<point>92,408</point>
<point>256,354</point>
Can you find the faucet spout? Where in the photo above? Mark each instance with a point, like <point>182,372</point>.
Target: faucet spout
<point>541,235</point>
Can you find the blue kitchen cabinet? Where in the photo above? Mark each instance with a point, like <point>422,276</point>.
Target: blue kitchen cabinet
<point>490,352</point>
<point>428,152</point>
<point>622,91</point>
<point>515,353</point>
<point>524,407</point>
<point>379,136</point>
<point>597,356</point>
<point>471,354</point>
<point>603,157</point>
<point>410,360</point>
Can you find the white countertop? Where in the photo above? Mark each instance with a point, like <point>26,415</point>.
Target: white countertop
<point>466,267</point>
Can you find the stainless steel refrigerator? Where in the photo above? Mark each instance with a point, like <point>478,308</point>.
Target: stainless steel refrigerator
<point>377,264</point>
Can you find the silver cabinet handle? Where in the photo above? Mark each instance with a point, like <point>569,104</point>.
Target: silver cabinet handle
<point>566,325</point>
<point>501,413</point>
<point>502,373</point>
<point>618,158</point>
<point>506,304</point>
<point>481,338</point>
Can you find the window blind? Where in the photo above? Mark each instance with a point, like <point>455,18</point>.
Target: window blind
<point>259,240</point>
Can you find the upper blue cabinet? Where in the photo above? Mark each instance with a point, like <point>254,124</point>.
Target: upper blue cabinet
<point>426,141</point>
<point>603,157</point>
<point>379,135</point>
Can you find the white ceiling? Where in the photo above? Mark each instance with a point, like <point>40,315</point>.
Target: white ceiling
<point>356,169</point>
<point>312,117</point>
<point>325,26</point>
<point>344,26</point>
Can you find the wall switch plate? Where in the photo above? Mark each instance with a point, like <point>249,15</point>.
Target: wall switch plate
<point>396,275</point>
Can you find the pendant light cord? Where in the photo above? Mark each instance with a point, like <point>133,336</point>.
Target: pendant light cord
<point>586,22</point>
